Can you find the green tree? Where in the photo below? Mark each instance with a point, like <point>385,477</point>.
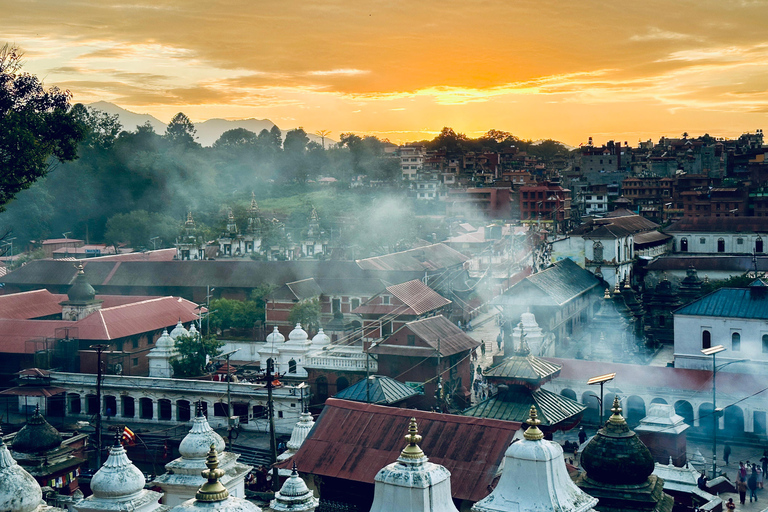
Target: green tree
<point>138,227</point>
<point>181,131</point>
<point>306,313</point>
<point>35,125</point>
<point>194,352</point>
<point>236,138</point>
<point>101,128</point>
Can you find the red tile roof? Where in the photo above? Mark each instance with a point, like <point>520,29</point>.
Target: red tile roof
<point>452,340</point>
<point>353,441</point>
<point>40,303</point>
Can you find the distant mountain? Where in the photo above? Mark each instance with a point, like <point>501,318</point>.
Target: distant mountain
<point>208,131</point>
<point>129,120</point>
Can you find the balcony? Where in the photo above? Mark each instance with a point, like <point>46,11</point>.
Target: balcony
<point>341,358</point>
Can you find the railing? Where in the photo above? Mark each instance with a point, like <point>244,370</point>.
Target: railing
<point>356,362</point>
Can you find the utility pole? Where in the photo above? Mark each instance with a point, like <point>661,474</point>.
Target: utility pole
<point>438,391</point>
<point>269,378</point>
<point>99,349</point>
<point>229,394</point>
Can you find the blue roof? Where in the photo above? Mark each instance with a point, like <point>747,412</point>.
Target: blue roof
<point>731,303</point>
<point>383,391</point>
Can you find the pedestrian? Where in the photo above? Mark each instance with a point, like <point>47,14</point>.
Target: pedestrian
<point>742,471</point>
<point>759,477</point>
<point>474,354</point>
<point>731,506</point>
<point>764,462</point>
<point>741,486</point>
<point>482,347</point>
<point>498,341</point>
<point>702,481</point>
<point>726,453</point>
<point>582,435</point>
<point>752,485</point>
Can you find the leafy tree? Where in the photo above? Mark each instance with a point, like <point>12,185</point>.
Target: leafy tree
<point>296,141</point>
<point>306,313</point>
<point>138,227</point>
<point>193,350</point>
<point>181,131</point>
<point>235,138</point>
<point>101,128</point>
<point>35,125</point>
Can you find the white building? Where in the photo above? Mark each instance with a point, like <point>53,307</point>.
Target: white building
<point>411,160</point>
<point>719,235</point>
<point>161,355</point>
<point>289,357</point>
<point>736,318</point>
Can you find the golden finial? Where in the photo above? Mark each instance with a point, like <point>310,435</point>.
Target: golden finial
<point>617,289</point>
<point>533,433</point>
<point>616,417</point>
<point>212,490</point>
<point>412,451</point>
<point>607,294</point>
<point>626,283</point>
<point>80,268</point>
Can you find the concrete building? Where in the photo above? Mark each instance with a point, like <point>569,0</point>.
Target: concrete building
<point>724,235</point>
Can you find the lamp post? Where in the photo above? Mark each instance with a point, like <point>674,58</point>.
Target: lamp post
<point>601,379</point>
<point>713,351</point>
<point>99,349</point>
<point>154,242</point>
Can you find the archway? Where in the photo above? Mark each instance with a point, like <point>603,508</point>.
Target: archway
<point>75,405</point>
<point>92,403</point>
<point>658,401</point>
<point>129,406</point>
<point>684,409</point>
<point>56,405</point>
<point>569,393</point>
<point>164,409</point>
<point>591,414</point>
<point>733,420</point>
<point>145,408</point>
<point>705,417</point>
<point>341,384</point>
<point>183,412</point>
<point>322,389</point>
<point>110,406</point>
<point>635,410</point>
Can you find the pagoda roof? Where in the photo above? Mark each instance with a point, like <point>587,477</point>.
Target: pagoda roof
<point>383,391</point>
<point>525,368</point>
<point>515,404</point>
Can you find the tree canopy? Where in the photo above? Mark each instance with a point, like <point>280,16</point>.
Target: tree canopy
<point>194,354</point>
<point>36,127</point>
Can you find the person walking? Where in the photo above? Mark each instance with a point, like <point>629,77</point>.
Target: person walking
<point>582,435</point>
<point>741,487</point>
<point>498,341</point>
<point>742,471</point>
<point>482,347</point>
<point>730,506</point>
<point>726,453</point>
<point>759,471</point>
<point>752,484</point>
<point>764,462</point>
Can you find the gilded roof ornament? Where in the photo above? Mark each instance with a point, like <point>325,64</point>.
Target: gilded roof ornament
<point>212,490</point>
<point>413,450</point>
<point>533,433</point>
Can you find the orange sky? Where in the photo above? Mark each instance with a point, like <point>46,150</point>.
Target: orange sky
<point>403,70</point>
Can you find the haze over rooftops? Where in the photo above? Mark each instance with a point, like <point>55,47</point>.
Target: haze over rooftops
<point>429,257</point>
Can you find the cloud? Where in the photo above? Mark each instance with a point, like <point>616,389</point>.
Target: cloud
<point>337,72</point>
<point>657,34</point>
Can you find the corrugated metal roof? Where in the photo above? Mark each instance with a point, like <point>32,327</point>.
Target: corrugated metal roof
<point>719,225</point>
<point>429,257</point>
<point>419,297</point>
<point>40,303</point>
<point>730,303</point>
<point>650,237</point>
<point>380,389</point>
<point>434,331</point>
<point>353,441</point>
<point>528,367</point>
<point>553,286</point>
<point>305,289</point>
<point>515,405</point>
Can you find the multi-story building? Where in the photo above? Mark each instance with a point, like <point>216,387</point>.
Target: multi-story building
<point>411,160</point>
<point>548,203</point>
<point>479,203</point>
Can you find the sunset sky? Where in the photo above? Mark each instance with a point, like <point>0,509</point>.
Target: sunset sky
<point>402,70</point>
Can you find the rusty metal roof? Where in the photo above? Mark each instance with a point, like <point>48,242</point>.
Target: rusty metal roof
<point>419,297</point>
<point>41,303</point>
<point>529,368</point>
<point>430,257</point>
<point>719,225</point>
<point>353,441</point>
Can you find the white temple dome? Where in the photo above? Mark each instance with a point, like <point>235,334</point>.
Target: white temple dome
<point>321,339</point>
<point>165,340</point>
<point>19,491</point>
<point>528,319</point>
<point>294,496</point>
<point>298,334</point>
<point>118,477</point>
<point>197,443</point>
<point>275,336</point>
<point>179,330</point>
<point>193,330</point>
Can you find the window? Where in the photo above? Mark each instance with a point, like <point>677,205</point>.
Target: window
<point>597,251</point>
<point>735,342</point>
<point>706,339</point>
<point>135,361</point>
<point>135,343</point>
<point>355,303</point>
<point>292,366</point>
<point>720,245</point>
<point>759,245</point>
<point>411,340</point>
<point>335,305</point>
<point>662,321</point>
<point>683,244</point>
<point>739,241</point>
<point>385,299</point>
<point>765,343</point>
<point>702,241</point>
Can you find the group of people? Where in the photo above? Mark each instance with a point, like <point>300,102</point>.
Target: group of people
<point>750,477</point>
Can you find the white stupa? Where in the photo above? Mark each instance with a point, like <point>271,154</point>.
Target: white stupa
<point>535,479</point>
<point>213,495</point>
<point>179,330</point>
<point>298,435</point>
<point>161,355</point>
<point>320,340</point>
<point>413,484</point>
<point>183,477</point>
<point>533,334</point>
<point>119,486</point>
<point>289,356</point>
<point>19,491</point>
<point>294,496</point>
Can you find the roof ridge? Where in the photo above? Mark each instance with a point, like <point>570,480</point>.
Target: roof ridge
<point>129,304</point>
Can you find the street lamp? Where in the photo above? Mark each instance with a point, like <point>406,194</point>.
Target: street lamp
<point>713,351</point>
<point>154,242</point>
<point>601,379</point>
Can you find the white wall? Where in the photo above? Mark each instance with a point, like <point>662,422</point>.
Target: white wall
<point>710,242</point>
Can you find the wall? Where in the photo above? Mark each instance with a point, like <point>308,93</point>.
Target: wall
<point>688,343</point>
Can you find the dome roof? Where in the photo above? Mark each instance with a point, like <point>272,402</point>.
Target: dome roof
<point>321,339</point>
<point>81,290</point>
<point>179,330</point>
<point>294,496</point>
<point>193,330</point>
<point>275,336</point>
<point>165,340</point>
<point>615,455</point>
<point>118,477</point>
<point>197,443</point>
<point>298,334</point>
<point>36,436</point>
<point>19,491</point>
